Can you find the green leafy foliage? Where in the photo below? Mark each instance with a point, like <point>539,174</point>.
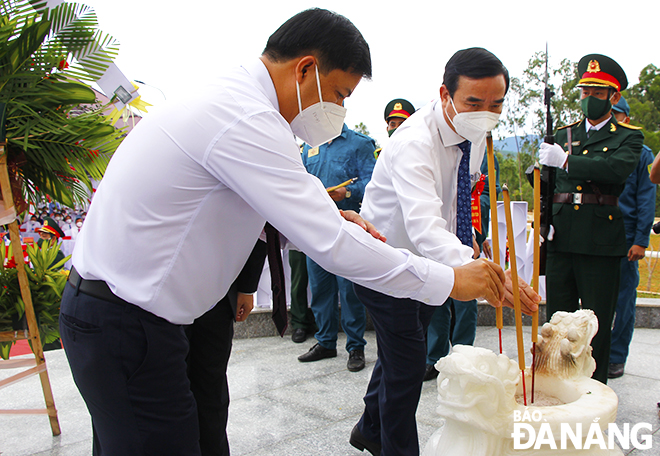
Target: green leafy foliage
<point>47,282</point>
<point>644,101</point>
<point>58,139</point>
<point>362,128</point>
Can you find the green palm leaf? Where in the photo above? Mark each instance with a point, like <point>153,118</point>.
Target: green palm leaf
<point>58,139</point>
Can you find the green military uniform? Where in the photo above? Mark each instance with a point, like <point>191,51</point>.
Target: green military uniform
<point>398,108</point>
<point>584,254</point>
<point>51,227</point>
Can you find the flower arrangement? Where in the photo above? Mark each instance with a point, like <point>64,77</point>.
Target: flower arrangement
<point>47,281</point>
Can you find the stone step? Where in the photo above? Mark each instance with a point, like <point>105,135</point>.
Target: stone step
<point>259,323</point>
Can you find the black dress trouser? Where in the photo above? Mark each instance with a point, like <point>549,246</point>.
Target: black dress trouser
<point>130,367</point>
<point>210,338</point>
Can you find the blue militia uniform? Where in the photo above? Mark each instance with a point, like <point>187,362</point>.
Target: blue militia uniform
<point>349,155</point>
<point>637,204</point>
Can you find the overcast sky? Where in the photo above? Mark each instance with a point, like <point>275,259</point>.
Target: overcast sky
<point>174,46</point>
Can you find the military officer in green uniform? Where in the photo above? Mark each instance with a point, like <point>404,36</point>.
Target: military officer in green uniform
<point>396,112</point>
<point>50,232</point>
<point>587,240</point>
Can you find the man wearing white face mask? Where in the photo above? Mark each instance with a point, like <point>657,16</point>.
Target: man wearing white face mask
<point>414,198</point>
<point>206,174</point>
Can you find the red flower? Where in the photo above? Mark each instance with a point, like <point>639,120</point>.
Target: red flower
<point>63,65</point>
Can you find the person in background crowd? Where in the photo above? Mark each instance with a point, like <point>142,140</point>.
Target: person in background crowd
<point>593,158</point>
<point>396,112</point>
<point>637,204</point>
<point>350,155</point>
<point>50,233</point>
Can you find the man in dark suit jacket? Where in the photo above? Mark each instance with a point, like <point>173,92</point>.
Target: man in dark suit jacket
<point>210,337</point>
<point>594,158</point>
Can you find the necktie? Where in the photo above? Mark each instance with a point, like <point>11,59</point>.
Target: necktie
<point>463,206</point>
<point>276,278</point>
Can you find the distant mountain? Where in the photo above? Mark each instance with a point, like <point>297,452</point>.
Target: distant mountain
<point>508,146</point>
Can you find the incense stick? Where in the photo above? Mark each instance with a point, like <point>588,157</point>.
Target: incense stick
<point>492,193</point>
<point>537,258</point>
<point>514,280</point>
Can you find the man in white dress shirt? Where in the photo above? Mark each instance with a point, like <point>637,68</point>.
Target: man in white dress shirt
<point>187,194</point>
<point>412,199</point>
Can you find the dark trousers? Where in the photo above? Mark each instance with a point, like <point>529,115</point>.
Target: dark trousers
<point>396,381</point>
<point>592,280</point>
<point>453,323</point>
<point>210,338</point>
<point>302,316</point>
<point>624,320</point>
<point>130,368</point>
<point>328,291</point>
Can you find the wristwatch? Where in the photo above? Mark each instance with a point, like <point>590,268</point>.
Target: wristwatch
<point>348,194</point>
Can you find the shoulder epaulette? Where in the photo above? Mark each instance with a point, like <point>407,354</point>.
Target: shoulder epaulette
<point>628,126</point>
<point>377,152</point>
<point>569,125</point>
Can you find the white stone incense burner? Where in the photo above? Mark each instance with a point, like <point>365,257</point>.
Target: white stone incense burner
<point>480,398</point>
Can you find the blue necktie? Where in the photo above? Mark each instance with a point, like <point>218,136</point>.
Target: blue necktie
<point>463,199</point>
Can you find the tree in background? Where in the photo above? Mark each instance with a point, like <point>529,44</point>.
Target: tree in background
<point>362,128</point>
<point>644,101</point>
<point>525,117</point>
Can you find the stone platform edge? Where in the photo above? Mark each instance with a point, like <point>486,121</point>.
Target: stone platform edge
<point>260,324</point>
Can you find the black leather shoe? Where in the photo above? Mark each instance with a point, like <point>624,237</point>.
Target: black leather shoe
<point>615,370</point>
<point>359,442</point>
<point>431,372</point>
<point>299,335</point>
<point>317,352</point>
<point>355,361</point>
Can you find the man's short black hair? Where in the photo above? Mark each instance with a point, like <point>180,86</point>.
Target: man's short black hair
<point>332,38</point>
<point>474,63</point>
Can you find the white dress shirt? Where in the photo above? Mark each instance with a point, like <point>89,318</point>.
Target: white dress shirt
<point>412,194</point>
<point>188,191</point>
<point>588,126</point>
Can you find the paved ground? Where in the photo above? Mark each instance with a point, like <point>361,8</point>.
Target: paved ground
<point>281,407</point>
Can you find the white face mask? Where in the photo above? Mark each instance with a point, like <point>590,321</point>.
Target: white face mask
<point>320,122</point>
<point>473,125</point>
<point>78,224</point>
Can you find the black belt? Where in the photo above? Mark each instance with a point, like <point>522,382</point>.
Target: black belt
<point>96,288</point>
<point>585,198</point>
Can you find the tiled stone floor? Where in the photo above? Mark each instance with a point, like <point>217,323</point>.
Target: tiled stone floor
<point>281,407</point>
